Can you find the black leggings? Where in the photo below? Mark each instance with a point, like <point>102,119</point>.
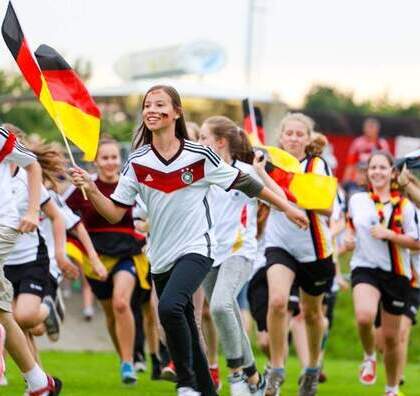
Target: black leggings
<point>176,312</point>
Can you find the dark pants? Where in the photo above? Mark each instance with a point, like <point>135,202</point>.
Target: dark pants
<point>176,312</point>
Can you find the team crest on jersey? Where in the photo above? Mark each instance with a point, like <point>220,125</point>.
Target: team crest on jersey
<point>187,176</point>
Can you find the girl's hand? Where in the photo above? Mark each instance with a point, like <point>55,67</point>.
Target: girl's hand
<point>349,241</point>
<point>81,179</point>
<point>99,268</point>
<point>29,222</point>
<point>297,216</point>
<point>378,231</point>
<point>260,160</point>
<point>342,283</point>
<point>69,270</point>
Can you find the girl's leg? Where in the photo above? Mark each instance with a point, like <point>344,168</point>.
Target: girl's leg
<point>391,327</point>
<point>300,340</point>
<point>198,302</point>
<point>366,298</point>
<point>88,299</point>
<point>406,325</point>
<point>124,282</point>
<point>210,335</point>
<point>263,343</point>
<point>28,311</point>
<point>110,322</point>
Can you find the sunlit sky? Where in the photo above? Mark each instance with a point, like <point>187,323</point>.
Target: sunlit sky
<point>370,47</point>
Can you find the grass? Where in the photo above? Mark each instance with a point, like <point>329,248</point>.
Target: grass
<point>97,374</point>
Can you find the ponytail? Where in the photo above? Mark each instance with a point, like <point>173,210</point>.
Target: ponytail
<point>316,147</point>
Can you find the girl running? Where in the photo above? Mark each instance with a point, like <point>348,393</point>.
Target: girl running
<point>301,255</point>
<point>382,231</point>
<point>172,176</point>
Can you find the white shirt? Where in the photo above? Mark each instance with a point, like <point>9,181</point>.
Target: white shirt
<point>235,220</point>
<point>307,245</point>
<point>70,220</point>
<point>31,245</point>
<point>175,194</point>
<point>10,152</point>
<point>374,253</point>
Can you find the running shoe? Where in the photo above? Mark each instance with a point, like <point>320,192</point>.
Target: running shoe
<point>238,385</point>
<point>367,374</point>
<point>3,379</point>
<point>168,372</point>
<point>215,376</point>
<point>52,321</point>
<point>53,388</point>
<point>186,391</point>
<point>389,393</point>
<point>128,374</point>
<point>322,377</point>
<point>156,367</point>
<point>59,304</point>
<point>88,313</point>
<point>274,381</point>
<point>140,364</point>
<point>308,383</point>
<point>258,389</point>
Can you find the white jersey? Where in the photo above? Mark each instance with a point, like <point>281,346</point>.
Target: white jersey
<point>139,210</point>
<point>175,194</point>
<point>10,152</point>
<point>29,247</point>
<point>235,220</point>
<point>373,253</point>
<point>307,245</point>
<point>70,221</point>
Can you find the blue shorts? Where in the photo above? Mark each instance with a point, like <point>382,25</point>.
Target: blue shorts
<point>103,289</point>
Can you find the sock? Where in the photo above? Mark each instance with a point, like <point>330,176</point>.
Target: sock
<point>278,370</point>
<point>214,366</point>
<point>250,370</point>
<point>324,339</point>
<point>36,378</point>
<point>311,370</point>
<point>155,359</point>
<point>370,357</point>
<point>393,389</point>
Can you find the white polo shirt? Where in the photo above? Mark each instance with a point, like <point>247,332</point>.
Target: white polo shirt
<point>175,194</point>
<point>11,151</point>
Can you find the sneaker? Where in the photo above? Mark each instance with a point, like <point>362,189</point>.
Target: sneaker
<point>389,393</point>
<point>52,321</point>
<point>322,377</point>
<point>128,375</point>
<point>53,388</point>
<point>274,381</point>
<point>238,385</point>
<point>308,383</point>
<point>168,372</point>
<point>88,313</point>
<point>367,374</point>
<point>156,368</point>
<point>258,389</point>
<point>59,304</point>
<point>3,380</point>
<point>215,376</point>
<point>140,363</point>
<point>186,391</point>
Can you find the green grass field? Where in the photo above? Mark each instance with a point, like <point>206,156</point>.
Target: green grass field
<point>86,374</point>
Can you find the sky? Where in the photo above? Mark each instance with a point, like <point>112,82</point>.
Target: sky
<point>368,47</point>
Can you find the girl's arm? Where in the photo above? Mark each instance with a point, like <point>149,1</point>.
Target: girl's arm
<point>84,238</point>
<point>104,206</point>
<point>59,231</point>
<point>380,232</point>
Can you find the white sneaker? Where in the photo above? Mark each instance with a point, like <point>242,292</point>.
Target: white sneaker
<point>3,379</point>
<point>186,391</point>
<point>238,385</point>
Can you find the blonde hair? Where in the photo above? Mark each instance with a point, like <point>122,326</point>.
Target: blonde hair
<point>194,129</point>
<point>317,144</point>
<point>304,119</point>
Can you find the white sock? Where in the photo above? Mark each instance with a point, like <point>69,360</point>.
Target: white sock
<point>393,389</point>
<point>214,366</point>
<point>370,357</point>
<point>36,378</point>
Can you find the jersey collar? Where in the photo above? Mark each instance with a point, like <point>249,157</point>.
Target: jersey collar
<point>174,157</point>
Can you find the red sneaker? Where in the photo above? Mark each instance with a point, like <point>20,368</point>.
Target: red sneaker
<point>214,373</point>
<point>367,374</point>
<point>169,372</point>
<point>53,388</point>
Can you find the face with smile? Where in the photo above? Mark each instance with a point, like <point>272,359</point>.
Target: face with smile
<point>108,161</point>
<point>158,111</point>
<point>379,172</point>
<point>294,138</point>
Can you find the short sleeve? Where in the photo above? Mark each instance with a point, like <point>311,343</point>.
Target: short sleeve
<point>321,167</point>
<point>127,189</point>
<point>411,221</point>
<point>139,210</point>
<point>71,219</point>
<point>218,172</point>
<point>45,195</point>
<point>12,151</point>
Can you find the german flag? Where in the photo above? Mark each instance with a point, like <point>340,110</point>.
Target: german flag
<point>251,118</point>
<point>56,86</point>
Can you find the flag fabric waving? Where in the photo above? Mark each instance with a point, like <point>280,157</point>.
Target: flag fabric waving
<point>57,87</point>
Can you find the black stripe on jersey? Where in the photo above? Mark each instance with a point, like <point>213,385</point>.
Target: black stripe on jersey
<point>207,149</point>
<point>206,205</point>
<point>4,132</point>
<point>205,153</point>
<point>326,167</point>
<point>416,220</point>
<point>207,236</point>
<point>140,150</point>
<point>133,156</point>
<point>24,150</point>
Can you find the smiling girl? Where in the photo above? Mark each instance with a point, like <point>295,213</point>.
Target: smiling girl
<point>382,230</point>
<point>173,176</point>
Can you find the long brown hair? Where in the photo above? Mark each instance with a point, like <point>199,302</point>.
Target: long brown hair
<point>143,135</point>
<point>50,156</point>
<point>239,146</point>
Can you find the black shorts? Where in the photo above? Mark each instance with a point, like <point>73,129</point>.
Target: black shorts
<point>51,287</point>
<point>394,288</point>
<point>29,278</point>
<point>315,277</point>
<point>103,289</point>
<point>258,299</point>
<point>329,301</point>
<point>413,304</point>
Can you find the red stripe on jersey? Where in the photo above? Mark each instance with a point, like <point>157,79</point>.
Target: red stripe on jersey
<point>8,146</point>
<point>172,181</point>
<point>121,230</point>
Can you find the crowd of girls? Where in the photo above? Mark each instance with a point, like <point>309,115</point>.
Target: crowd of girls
<point>168,242</point>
